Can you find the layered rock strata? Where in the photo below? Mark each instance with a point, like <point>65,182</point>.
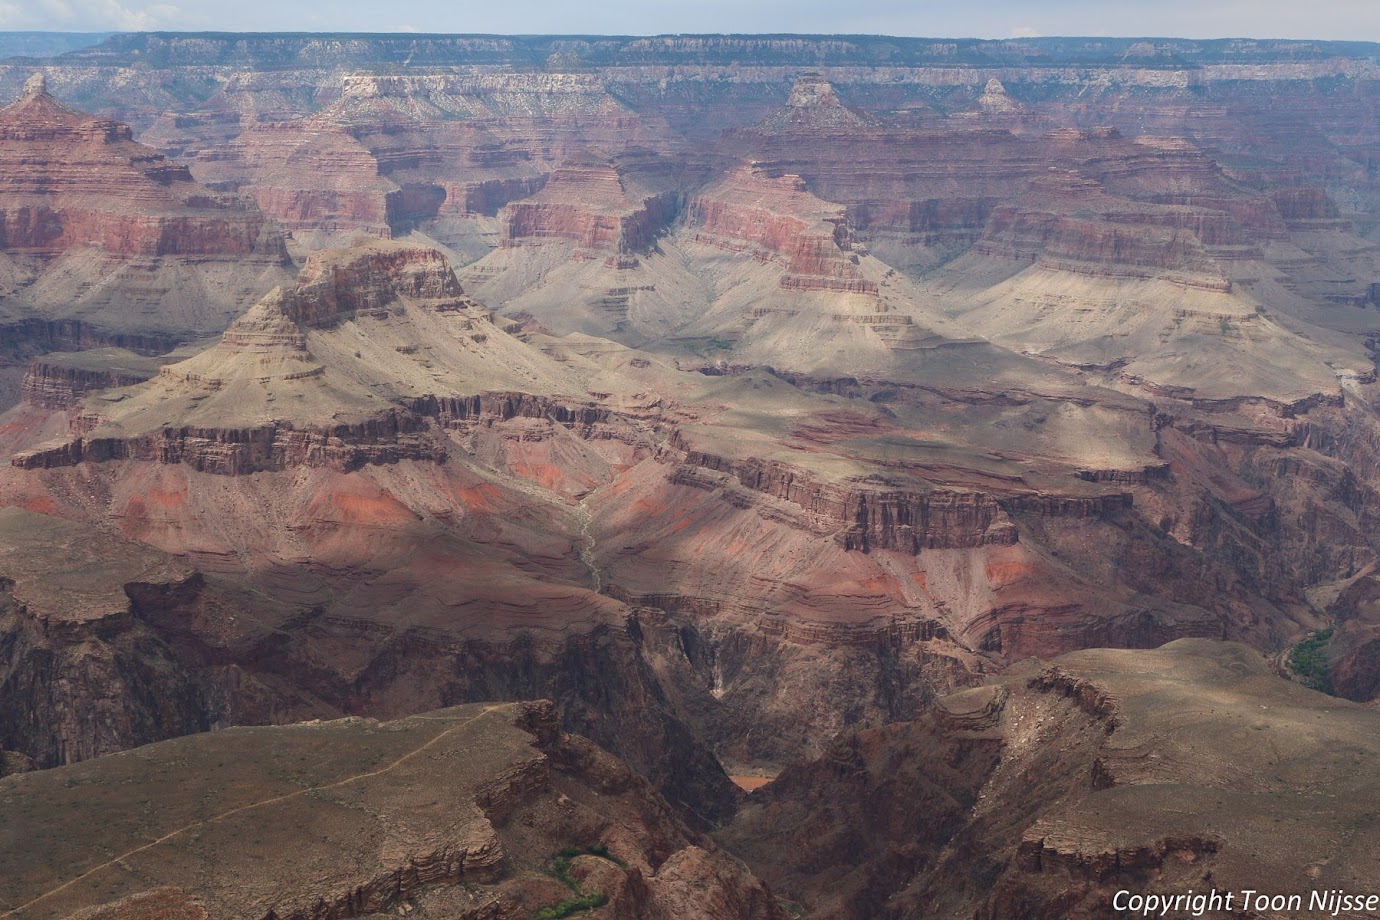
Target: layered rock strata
<point>106,241</point>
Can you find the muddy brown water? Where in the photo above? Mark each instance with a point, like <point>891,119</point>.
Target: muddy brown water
<point>749,783</point>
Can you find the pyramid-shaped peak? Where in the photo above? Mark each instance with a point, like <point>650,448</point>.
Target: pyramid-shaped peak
<point>36,115</point>
<point>994,99</point>
<point>814,105</point>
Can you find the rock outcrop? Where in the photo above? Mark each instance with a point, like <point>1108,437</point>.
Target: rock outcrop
<point>595,206</point>
<point>83,674</point>
<point>1046,793</point>
<point>776,218</point>
<point>63,381</point>
<point>875,518</point>
<point>458,812</point>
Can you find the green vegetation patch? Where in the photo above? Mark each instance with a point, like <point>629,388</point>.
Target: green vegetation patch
<point>591,901</point>
<point>1308,660</point>
<point>583,900</point>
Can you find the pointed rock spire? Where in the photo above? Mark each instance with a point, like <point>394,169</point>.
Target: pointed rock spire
<point>36,85</point>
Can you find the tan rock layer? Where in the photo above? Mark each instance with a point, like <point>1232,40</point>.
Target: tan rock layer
<point>387,438</point>
<point>889,519</point>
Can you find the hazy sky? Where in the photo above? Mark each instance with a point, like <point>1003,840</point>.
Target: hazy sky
<point>1340,19</point>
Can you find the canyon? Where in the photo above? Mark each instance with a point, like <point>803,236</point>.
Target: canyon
<point>879,415</point>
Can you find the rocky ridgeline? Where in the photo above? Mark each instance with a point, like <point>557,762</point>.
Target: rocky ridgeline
<point>481,95</point>
<point>394,435</point>
<point>388,438</point>
<point>56,385</point>
<point>489,408</point>
<point>331,288</point>
<point>876,517</point>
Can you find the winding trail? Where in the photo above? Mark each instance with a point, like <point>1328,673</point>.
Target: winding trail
<point>14,912</point>
<point>588,543</point>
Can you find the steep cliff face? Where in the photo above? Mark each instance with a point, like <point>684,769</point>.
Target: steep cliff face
<point>487,197</point>
<point>241,451</point>
<point>878,519</point>
<point>84,676</point>
<point>330,287</point>
<point>1137,249</point>
<point>1348,651</point>
<point>62,382</point>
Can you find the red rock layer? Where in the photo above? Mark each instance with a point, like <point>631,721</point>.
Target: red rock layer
<point>1100,247</point>
<point>776,219</point>
<point>591,205</point>
<point>73,180</point>
<point>292,158</point>
<point>487,196</point>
